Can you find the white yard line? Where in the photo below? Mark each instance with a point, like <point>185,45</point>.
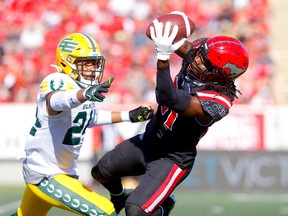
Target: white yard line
<point>9,207</point>
<point>260,198</point>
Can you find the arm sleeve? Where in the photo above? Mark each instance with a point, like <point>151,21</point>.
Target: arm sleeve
<point>102,117</point>
<point>64,100</point>
<point>167,94</point>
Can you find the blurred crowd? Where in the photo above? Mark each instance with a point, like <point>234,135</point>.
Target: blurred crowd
<point>31,30</point>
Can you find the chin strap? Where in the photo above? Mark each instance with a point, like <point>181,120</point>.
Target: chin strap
<point>70,64</point>
<point>59,69</point>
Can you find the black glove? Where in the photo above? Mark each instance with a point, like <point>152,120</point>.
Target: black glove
<point>140,114</point>
<point>94,93</point>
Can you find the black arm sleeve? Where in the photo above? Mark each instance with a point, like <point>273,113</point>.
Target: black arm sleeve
<point>167,95</point>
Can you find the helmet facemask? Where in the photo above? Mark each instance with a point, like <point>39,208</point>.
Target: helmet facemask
<point>89,70</point>
<point>212,72</point>
<point>199,66</point>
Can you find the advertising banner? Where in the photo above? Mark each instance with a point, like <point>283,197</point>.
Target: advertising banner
<point>246,128</point>
<point>239,170</point>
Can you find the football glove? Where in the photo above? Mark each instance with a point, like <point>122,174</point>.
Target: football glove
<point>140,114</point>
<point>163,41</point>
<point>94,93</point>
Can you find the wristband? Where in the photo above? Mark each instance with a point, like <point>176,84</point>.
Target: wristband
<point>125,116</point>
<point>163,57</point>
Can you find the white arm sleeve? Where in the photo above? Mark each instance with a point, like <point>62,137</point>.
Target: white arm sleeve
<point>64,100</point>
<point>104,117</point>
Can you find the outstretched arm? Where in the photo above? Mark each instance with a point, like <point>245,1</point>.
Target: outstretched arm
<point>183,50</point>
<point>139,114</point>
<point>176,99</point>
<point>166,94</point>
<point>58,101</point>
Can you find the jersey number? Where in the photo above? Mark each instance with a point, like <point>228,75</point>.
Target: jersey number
<point>168,124</point>
<point>172,116</point>
<point>74,133</point>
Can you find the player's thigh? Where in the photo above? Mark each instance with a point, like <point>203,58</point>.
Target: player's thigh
<point>68,193</point>
<point>126,159</point>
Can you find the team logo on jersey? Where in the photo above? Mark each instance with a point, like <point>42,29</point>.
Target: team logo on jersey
<point>67,45</point>
<point>56,84</point>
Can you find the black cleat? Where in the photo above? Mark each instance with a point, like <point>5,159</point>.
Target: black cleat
<point>119,201</point>
<point>168,205</point>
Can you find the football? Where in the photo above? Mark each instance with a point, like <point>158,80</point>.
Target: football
<point>185,25</point>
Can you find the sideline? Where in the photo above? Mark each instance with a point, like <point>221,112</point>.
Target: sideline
<point>9,207</point>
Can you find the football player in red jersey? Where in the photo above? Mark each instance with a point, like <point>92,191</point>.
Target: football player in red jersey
<point>201,94</point>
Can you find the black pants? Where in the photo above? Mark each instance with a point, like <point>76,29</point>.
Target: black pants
<point>131,158</point>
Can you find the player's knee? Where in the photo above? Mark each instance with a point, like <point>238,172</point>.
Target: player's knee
<point>134,210</point>
<point>96,174</point>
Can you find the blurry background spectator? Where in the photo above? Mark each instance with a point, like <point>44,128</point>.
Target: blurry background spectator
<point>30,31</point>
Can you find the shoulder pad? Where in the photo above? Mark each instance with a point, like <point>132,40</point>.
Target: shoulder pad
<point>57,81</point>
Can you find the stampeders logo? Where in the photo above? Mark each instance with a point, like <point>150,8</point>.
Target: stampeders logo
<point>233,68</point>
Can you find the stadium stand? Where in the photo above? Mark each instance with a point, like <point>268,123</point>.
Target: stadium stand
<point>30,31</point>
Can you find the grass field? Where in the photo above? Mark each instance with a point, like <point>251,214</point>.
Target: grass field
<point>189,203</point>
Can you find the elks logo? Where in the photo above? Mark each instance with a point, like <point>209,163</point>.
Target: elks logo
<point>67,45</point>
<point>56,84</point>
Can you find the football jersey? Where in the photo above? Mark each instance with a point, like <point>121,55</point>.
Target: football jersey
<point>175,136</point>
<point>54,142</point>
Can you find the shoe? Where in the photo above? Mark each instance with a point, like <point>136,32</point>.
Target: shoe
<point>119,201</point>
<point>168,205</point>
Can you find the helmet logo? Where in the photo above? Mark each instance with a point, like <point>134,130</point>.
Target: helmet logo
<point>67,45</point>
<point>234,70</point>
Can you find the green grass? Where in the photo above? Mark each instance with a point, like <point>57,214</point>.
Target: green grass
<point>189,203</point>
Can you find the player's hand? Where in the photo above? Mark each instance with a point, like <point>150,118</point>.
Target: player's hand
<point>140,114</point>
<point>94,93</point>
<point>164,41</point>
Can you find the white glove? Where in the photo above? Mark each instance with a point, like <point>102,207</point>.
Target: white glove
<point>164,42</point>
